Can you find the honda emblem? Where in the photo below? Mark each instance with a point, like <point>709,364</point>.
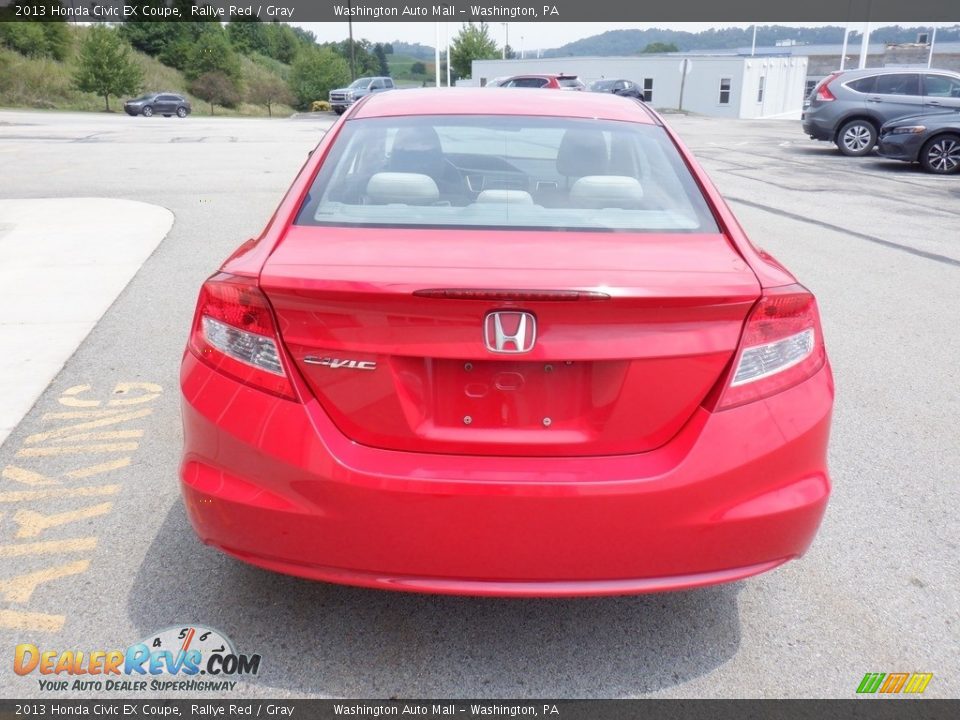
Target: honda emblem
<point>510,332</point>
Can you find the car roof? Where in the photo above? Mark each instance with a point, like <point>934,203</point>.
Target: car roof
<point>541,75</point>
<point>477,101</point>
<point>894,70</point>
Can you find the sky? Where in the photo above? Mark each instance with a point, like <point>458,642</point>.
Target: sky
<point>542,34</point>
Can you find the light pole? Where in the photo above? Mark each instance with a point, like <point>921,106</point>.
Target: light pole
<point>843,50</point>
<point>521,47</point>
<point>506,40</point>
<point>436,56</point>
<point>446,29</point>
<point>353,62</point>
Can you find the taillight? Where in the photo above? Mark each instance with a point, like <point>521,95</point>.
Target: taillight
<point>781,345</point>
<point>823,89</point>
<point>234,332</point>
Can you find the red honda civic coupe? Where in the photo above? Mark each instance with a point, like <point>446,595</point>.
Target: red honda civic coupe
<point>505,344</point>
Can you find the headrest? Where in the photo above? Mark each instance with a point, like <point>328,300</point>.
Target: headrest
<point>404,188</point>
<point>606,191</point>
<point>514,197</point>
<point>582,152</point>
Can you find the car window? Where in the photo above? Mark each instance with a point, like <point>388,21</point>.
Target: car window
<point>498,171</point>
<point>603,84</point>
<point>387,82</point>
<point>863,85</point>
<point>569,82</point>
<point>376,85</point>
<point>898,84</point>
<point>941,86</point>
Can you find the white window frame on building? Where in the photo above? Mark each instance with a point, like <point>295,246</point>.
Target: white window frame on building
<point>648,90</point>
<point>725,91</point>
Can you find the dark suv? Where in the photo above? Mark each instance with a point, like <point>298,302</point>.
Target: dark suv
<point>627,88</point>
<point>849,108</point>
<point>165,104</point>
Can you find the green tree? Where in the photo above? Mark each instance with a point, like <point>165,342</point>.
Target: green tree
<point>212,53</point>
<point>381,55</point>
<point>217,88</point>
<point>660,47</point>
<point>36,39</point>
<point>264,88</point>
<point>473,42</point>
<point>146,36</point>
<point>418,68</point>
<point>247,34</point>
<point>315,73</point>
<point>105,65</point>
<point>284,42</point>
<point>26,38</point>
<point>366,62</point>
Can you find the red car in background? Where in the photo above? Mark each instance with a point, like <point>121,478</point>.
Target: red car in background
<point>549,82</point>
<point>509,344</point>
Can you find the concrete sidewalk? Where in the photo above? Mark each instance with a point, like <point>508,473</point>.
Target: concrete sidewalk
<point>62,264</point>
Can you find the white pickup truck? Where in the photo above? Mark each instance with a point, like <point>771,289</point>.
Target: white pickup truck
<point>342,98</point>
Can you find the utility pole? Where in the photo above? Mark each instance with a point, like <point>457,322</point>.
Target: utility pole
<point>506,41</point>
<point>933,39</point>
<point>353,60</point>
<point>684,69</point>
<point>436,56</point>
<point>753,45</point>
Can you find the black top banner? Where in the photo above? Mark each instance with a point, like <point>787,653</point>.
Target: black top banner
<point>746,11</point>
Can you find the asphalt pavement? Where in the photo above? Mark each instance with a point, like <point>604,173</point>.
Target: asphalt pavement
<point>96,551</point>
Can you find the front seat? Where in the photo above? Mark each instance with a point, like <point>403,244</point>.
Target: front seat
<point>418,150</point>
<point>582,153</point>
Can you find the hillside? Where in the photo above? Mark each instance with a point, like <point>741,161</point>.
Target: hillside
<point>44,83</point>
<point>631,42</point>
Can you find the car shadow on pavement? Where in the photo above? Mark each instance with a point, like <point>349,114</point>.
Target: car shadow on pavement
<point>322,639</point>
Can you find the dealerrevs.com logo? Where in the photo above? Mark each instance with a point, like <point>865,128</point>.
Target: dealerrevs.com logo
<point>180,658</point>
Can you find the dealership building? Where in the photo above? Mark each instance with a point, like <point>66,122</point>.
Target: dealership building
<point>735,86</point>
<point>762,82</point>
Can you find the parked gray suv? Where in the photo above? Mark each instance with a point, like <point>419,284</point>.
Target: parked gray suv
<point>342,98</point>
<point>849,108</point>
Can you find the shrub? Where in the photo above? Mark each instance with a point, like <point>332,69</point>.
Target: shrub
<point>315,73</point>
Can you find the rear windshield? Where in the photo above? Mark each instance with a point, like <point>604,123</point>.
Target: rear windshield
<point>570,82</point>
<point>506,172</point>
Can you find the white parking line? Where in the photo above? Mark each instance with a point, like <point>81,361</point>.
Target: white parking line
<point>62,264</point>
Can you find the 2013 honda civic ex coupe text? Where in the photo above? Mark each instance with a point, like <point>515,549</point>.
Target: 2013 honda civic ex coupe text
<point>510,345</point>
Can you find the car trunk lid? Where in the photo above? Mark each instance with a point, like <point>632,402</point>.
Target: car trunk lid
<point>392,331</point>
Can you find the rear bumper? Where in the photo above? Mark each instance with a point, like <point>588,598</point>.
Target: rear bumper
<point>817,130</point>
<point>274,483</point>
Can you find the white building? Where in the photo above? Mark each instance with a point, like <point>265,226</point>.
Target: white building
<point>771,86</point>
